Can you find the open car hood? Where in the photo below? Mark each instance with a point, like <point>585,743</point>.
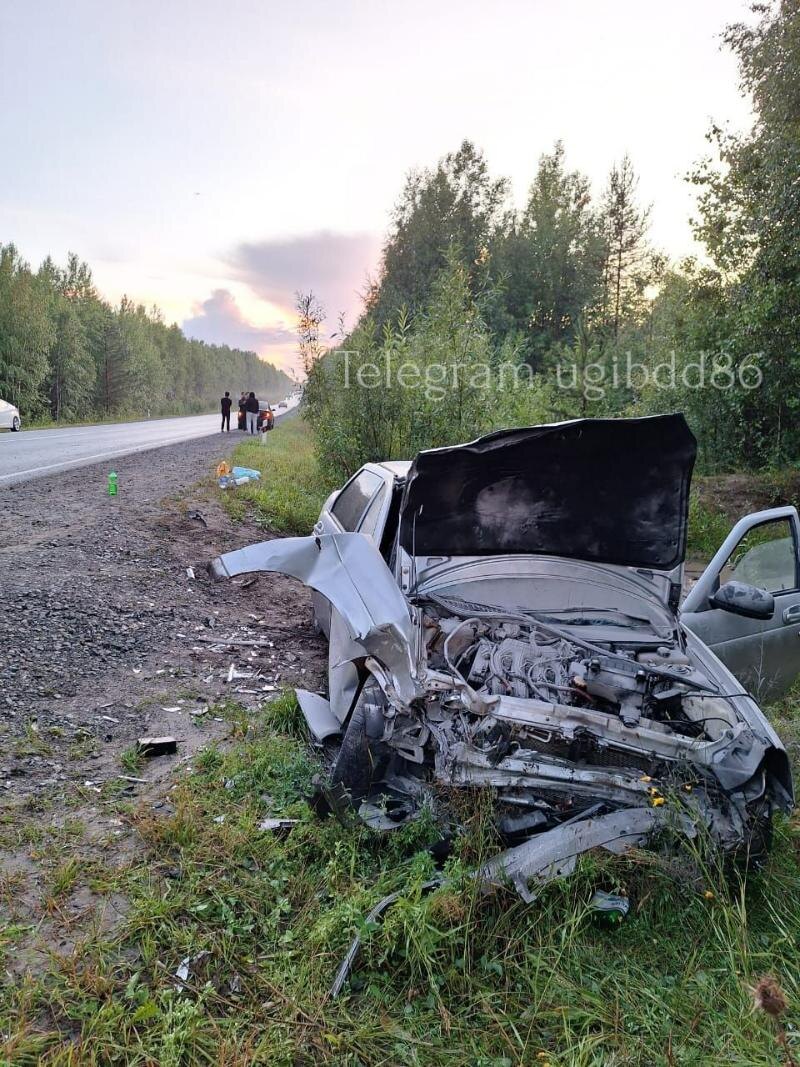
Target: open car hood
<point>603,490</point>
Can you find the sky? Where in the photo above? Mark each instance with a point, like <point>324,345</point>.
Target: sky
<point>215,157</point>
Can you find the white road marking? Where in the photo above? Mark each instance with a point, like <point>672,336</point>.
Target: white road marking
<point>100,431</point>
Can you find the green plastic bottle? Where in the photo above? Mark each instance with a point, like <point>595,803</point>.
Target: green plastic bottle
<point>112,483</point>
<point>609,907</point>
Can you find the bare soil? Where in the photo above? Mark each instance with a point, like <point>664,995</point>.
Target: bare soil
<point>736,495</point>
<point>112,630</point>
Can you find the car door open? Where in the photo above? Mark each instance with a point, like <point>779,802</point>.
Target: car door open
<point>746,604</point>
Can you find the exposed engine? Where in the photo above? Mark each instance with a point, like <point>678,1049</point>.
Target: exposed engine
<point>530,660</point>
<point>560,727</point>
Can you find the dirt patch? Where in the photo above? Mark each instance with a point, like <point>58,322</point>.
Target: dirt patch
<point>735,495</point>
<point>102,622</point>
<point>112,630</point>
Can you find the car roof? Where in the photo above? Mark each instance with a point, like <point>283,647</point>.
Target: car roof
<point>398,467</point>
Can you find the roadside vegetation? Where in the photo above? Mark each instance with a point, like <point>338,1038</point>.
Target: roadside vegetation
<point>66,355</point>
<point>292,490</point>
<point>483,316</point>
<point>261,920</point>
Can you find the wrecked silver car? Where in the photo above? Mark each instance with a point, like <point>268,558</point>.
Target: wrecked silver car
<point>505,614</point>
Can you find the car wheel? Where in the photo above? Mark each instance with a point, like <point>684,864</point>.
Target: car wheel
<point>360,761</point>
<point>15,424</point>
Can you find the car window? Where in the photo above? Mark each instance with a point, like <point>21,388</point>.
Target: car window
<point>765,557</point>
<point>372,514</point>
<point>353,499</point>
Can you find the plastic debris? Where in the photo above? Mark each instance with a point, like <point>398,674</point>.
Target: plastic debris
<point>279,827</point>
<point>610,906</point>
<point>248,473</point>
<point>185,967</point>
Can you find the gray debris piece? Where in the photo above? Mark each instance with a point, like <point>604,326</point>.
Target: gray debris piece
<point>320,720</point>
<point>279,827</point>
<point>186,966</point>
<point>553,854</point>
<point>355,945</point>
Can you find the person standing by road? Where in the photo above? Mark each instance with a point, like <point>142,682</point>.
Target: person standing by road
<point>252,414</point>
<point>243,411</point>
<point>225,406</point>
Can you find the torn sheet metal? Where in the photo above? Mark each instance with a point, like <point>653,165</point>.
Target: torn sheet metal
<point>318,715</point>
<point>539,860</point>
<point>555,853</point>
<point>347,570</point>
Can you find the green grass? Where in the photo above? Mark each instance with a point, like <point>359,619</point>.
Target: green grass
<point>131,760</point>
<point>290,495</point>
<point>451,977</point>
<point>448,978</point>
<point>708,528</point>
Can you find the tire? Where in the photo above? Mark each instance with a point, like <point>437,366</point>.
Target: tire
<point>15,424</point>
<point>360,761</point>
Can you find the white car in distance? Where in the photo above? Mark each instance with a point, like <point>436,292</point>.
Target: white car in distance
<point>9,417</point>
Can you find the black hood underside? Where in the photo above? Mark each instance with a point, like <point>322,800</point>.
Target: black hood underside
<point>610,491</point>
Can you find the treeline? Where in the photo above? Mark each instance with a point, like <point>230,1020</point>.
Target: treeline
<point>570,291</point>
<point>67,354</point>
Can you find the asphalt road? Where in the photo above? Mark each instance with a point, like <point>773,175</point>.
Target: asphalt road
<point>35,453</point>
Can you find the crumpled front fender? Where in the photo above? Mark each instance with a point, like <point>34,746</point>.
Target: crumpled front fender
<point>347,570</point>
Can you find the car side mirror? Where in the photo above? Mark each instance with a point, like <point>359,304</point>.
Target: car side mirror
<point>742,599</point>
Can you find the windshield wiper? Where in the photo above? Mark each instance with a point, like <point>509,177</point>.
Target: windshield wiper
<point>580,619</point>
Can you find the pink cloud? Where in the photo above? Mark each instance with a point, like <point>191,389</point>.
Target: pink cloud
<point>220,321</point>
<point>335,266</point>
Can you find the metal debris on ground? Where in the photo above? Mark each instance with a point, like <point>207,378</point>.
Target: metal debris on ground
<point>186,965</point>
<point>156,746</point>
<point>279,827</point>
<point>346,965</point>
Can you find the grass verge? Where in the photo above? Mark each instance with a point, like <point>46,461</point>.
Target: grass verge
<point>290,495</point>
<point>451,977</point>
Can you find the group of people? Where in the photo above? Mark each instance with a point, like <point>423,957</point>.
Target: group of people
<point>249,409</point>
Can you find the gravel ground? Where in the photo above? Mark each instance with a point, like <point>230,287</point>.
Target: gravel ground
<point>104,637</point>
